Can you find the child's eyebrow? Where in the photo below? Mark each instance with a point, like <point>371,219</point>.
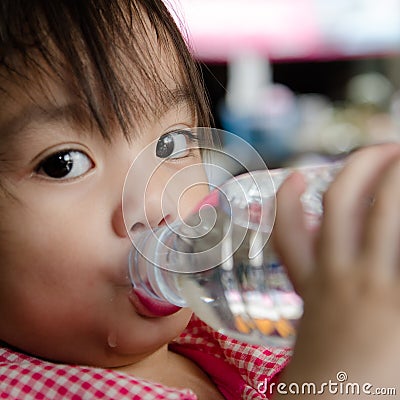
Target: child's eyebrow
<point>76,115</point>
<point>176,96</point>
<point>173,98</point>
<point>35,114</point>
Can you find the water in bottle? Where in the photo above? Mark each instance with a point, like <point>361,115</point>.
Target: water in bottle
<point>220,263</point>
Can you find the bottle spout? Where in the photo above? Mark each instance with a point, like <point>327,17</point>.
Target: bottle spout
<point>154,290</point>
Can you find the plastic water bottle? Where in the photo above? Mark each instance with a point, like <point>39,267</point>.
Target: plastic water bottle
<point>220,263</point>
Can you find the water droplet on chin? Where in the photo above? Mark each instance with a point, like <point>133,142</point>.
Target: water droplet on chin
<point>112,340</point>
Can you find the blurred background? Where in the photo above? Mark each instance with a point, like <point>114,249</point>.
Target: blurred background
<point>302,81</point>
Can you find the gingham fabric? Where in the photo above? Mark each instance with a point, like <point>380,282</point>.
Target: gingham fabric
<point>25,377</point>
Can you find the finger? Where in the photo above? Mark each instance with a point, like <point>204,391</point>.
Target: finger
<point>345,204</point>
<point>291,239</point>
<point>382,233</point>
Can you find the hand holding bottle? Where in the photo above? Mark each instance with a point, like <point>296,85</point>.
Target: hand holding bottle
<point>347,271</point>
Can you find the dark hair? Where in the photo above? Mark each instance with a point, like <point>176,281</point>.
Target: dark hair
<point>96,45</point>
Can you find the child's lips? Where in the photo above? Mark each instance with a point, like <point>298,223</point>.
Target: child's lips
<point>149,307</point>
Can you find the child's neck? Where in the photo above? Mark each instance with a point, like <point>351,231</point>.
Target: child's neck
<point>174,370</point>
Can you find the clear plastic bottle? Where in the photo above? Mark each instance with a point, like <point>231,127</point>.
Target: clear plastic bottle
<point>220,263</point>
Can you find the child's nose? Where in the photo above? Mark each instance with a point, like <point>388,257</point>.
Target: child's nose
<point>147,203</point>
<point>160,204</point>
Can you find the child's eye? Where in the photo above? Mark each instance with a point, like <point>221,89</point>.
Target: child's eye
<point>65,164</point>
<point>177,144</point>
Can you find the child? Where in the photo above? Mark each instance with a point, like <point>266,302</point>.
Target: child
<point>86,86</point>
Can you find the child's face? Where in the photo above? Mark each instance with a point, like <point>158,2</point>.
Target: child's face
<point>64,248</point>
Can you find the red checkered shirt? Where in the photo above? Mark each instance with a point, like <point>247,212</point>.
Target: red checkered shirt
<point>238,369</point>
